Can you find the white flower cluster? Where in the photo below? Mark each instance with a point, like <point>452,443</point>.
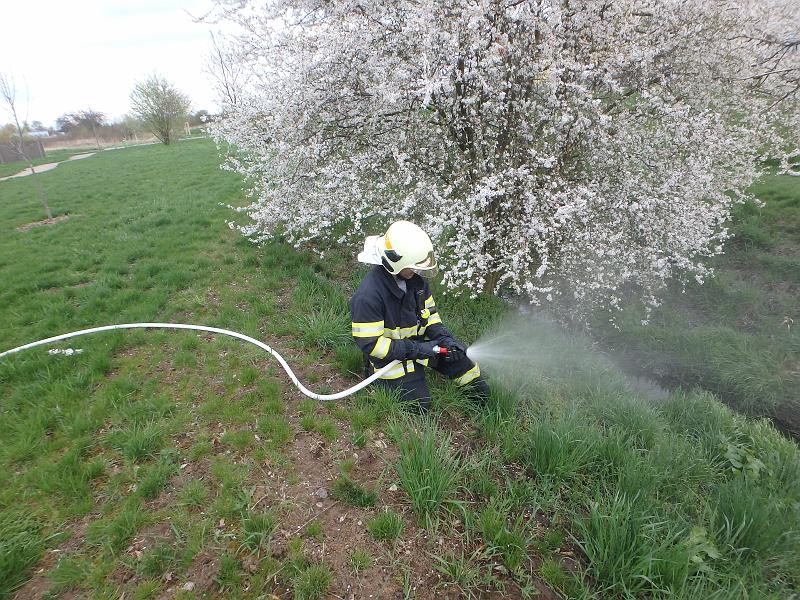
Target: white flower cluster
<point>552,149</point>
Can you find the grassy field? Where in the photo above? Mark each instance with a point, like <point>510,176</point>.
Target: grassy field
<point>13,168</point>
<point>183,465</point>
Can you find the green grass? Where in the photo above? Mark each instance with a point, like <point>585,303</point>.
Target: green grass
<point>360,560</point>
<point>229,576</point>
<point>71,572</point>
<point>13,168</point>
<point>21,546</point>
<point>386,526</point>
<point>352,492</point>
<point>196,435</point>
<point>71,425</point>
<point>737,334</point>
<point>156,561</point>
<point>507,542</point>
<point>428,471</point>
<point>312,583</point>
<point>112,533</point>
<point>554,575</point>
<point>467,574</point>
<point>257,530</point>
<point>193,495</point>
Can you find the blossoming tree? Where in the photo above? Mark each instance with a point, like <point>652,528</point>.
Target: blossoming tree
<point>550,147</point>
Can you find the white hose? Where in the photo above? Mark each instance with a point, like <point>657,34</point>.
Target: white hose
<point>241,336</point>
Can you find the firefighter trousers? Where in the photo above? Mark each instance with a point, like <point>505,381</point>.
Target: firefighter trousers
<point>414,389</point>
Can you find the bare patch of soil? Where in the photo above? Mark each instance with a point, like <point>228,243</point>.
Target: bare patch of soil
<point>36,587</point>
<point>29,226</point>
<point>200,578</point>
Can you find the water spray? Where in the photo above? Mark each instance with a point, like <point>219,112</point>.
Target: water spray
<point>217,330</point>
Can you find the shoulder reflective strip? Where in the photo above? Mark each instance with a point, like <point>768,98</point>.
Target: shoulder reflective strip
<point>399,333</point>
<point>399,371</point>
<point>470,375</point>
<point>368,329</point>
<point>429,303</point>
<point>381,348</point>
<point>434,319</point>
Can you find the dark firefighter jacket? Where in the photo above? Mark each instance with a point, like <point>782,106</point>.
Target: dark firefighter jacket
<point>384,317</point>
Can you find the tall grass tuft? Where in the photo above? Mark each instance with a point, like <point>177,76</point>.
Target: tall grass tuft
<point>509,543</point>
<point>325,328</point>
<point>257,530</point>
<point>558,448</point>
<point>138,442</point>
<point>428,471</point>
<point>386,526</point>
<point>21,546</point>
<point>467,574</point>
<point>312,583</point>
<point>749,522</point>
<point>71,572</point>
<point>630,553</point>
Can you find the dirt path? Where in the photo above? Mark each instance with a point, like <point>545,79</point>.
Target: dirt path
<point>47,166</point>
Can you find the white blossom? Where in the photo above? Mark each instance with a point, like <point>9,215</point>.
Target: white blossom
<point>555,150</point>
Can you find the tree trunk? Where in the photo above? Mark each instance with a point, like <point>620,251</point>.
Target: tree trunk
<point>490,285</point>
<point>42,195</point>
<point>96,141</point>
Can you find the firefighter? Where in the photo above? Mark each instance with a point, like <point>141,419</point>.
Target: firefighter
<point>395,318</point>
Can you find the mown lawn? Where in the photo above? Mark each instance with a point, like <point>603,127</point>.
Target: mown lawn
<point>171,464</point>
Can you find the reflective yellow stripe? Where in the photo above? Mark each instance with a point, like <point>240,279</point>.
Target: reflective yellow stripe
<point>381,348</point>
<point>424,361</point>
<point>399,333</point>
<point>429,303</point>
<point>470,375</point>
<point>422,330</point>
<point>368,329</point>
<point>434,319</point>
<point>398,371</point>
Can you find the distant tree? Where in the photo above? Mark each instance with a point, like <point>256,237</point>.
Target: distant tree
<point>160,106</point>
<point>88,120</point>
<point>7,134</point>
<point>65,124</point>
<point>38,126</point>
<point>94,120</point>
<point>130,126</point>
<point>199,117</point>
<point>8,91</point>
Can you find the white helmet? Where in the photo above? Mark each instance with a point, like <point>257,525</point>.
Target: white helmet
<point>404,245</point>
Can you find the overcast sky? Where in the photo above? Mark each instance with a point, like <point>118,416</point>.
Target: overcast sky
<point>66,56</point>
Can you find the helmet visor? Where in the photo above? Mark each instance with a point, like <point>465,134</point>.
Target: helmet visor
<point>427,263</point>
<point>427,273</point>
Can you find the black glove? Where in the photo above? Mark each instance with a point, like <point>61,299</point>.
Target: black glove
<point>454,354</point>
<point>416,350</point>
<point>451,343</point>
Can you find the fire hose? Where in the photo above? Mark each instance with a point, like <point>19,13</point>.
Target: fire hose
<point>217,330</point>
